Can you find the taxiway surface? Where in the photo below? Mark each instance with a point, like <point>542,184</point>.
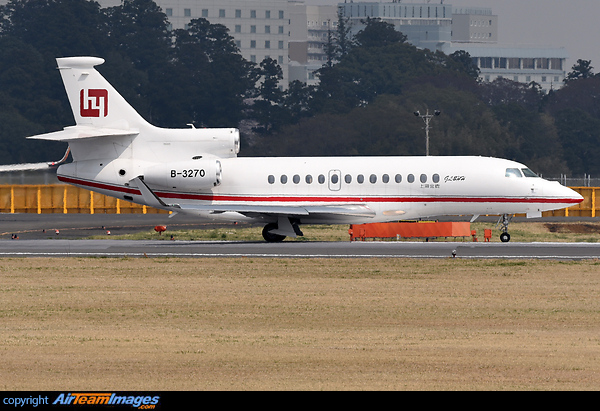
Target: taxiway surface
<point>37,239</point>
<point>390,249</point>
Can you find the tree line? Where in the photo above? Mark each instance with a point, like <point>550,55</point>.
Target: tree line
<point>369,87</point>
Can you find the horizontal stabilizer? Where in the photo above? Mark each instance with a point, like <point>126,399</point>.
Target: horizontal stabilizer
<point>34,166</point>
<point>24,167</point>
<point>81,132</point>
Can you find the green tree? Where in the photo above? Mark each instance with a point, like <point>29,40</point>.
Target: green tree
<point>343,38</point>
<point>580,140</point>
<point>57,28</point>
<point>464,63</point>
<point>330,48</point>
<point>581,94</point>
<point>387,126</point>
<point>207,80</point>
<point>139,30</point>
<point>368,72</point>
<point>581,70</point>
<point>377,33</point>
<point>31,102</point>
<point>504,91</point>
<point>267,108</point>
<point>297,101</point>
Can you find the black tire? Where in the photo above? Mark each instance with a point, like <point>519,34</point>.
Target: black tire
<point>270,237</point>
<point>505,237</point>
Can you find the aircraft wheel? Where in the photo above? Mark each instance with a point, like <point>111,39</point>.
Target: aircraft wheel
<point>505,237</point>
<point>270,237</point>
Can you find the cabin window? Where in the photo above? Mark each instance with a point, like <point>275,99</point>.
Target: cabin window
<point>283,179</point>
<point>296,179</point>
<point>321,179</point>
<point>436,178</point>
<point>309,179</point>
<point>373,178</point>
<point>385,178</point>
<point>398,178</point>
<point>360,179</point>
<point>348,178</point>
<point>334,178</point>
<point>271,179</point>
<point>513,172</point>
<point>528,173</point>
<point>423,178</point>
<point>410,178</point>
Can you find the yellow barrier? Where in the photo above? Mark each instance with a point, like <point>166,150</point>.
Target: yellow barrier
<point>60,198</point>
<point>587,208</point>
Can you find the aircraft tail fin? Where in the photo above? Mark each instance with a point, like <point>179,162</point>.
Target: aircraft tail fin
<point>93,99</point>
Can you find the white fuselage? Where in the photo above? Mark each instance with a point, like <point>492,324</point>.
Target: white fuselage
<point>394,188</point>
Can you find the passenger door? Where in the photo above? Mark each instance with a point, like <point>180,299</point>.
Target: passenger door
<point>335,180</point>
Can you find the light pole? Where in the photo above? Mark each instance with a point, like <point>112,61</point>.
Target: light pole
<point>427,118</point>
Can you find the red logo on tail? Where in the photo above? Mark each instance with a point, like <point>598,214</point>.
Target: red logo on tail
<point>94,104</point>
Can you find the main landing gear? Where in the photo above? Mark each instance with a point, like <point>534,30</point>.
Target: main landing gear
<point>271,237</point>
<point>284,227</point>
<point>504,220</point>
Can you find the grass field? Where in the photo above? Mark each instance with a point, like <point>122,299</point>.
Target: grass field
<point>299,324</point>
<point>521,232</point>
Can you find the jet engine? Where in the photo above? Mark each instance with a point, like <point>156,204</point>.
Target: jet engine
<point>194,175</point>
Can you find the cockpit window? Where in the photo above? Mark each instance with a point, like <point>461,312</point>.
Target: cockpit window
<point>528,173</point>
<point>513,172</point>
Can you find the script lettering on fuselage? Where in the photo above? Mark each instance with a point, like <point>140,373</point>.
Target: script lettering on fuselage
<point>449,179</point>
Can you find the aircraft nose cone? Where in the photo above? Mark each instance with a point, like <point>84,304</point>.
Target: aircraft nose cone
<point>572,195</point>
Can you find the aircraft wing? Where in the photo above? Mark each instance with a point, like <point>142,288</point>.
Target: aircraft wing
<point>80,132</point>
<point>345,210</point>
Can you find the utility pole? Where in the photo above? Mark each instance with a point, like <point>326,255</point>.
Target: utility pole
<point>427,118</point>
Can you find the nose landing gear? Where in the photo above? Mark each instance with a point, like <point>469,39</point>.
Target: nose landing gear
<point>505,221</point>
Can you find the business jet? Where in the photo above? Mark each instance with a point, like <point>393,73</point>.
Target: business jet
<point>197,171</point>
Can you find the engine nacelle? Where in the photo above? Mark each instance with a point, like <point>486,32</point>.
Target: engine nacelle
<point>194,175</point>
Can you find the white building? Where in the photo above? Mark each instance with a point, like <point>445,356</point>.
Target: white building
<point>295,34</point>
<point>474,25</point>
<point>309,30</point>
<point>475,30</point>
<point>260,27</point>
<point>472,29</point>
<point>426,25</point>
<point>545,66</point>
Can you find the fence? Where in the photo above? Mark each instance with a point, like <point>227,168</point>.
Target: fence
<point>61,198</point>
<point>585,181</point>
<point>587,208</point>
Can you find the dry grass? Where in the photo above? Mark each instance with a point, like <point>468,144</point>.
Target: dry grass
<point>256,324</point>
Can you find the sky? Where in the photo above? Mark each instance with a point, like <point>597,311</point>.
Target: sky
<point>572,24</point>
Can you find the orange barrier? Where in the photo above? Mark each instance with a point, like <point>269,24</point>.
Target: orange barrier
<point>424,229</point>
<point>589,207</point>
<point>64,199</point>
